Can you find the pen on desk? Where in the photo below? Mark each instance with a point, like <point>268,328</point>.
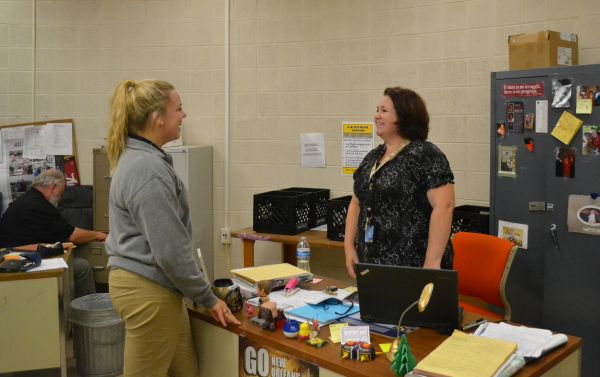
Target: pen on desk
<point>473,324</point>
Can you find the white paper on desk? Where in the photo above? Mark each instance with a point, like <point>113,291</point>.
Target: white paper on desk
<point>530,341</point>
<point>282,301</point>
<point>300,298</point>
<point>355,333</point>
<point>321,228</point>
<point>316,297</point>
<point>51,264</point>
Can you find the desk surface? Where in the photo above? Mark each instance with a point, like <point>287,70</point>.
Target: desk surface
<point>315,238</point>
<point>38,274</point>
<point>422,342</point>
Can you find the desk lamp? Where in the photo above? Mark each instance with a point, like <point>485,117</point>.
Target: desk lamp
<point>403,361</point>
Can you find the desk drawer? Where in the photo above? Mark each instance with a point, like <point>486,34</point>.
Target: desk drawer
<point>95,253</point>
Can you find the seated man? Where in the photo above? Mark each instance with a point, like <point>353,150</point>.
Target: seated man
<point>33,218</point>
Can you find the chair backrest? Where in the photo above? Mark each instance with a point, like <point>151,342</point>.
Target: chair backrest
<point>76,206</point>
<point>483,263</point>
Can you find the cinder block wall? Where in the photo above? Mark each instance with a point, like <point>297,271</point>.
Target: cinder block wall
<point>297,66</point>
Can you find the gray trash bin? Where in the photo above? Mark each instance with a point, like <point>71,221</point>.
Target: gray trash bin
<point>98,336</point>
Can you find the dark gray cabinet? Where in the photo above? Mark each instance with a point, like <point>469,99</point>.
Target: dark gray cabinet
<point>554,283</point>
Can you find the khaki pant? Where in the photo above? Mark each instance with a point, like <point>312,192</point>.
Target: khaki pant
<point>158,339</point>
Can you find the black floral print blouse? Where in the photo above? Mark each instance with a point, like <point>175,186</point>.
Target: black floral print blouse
<point>398,205</point>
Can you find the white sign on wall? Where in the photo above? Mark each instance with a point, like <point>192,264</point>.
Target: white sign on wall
<point>312,150</point>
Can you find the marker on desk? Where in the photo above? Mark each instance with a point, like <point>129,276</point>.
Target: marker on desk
<point>473,324</point>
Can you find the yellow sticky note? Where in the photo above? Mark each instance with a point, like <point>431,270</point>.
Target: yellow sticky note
<point>335,331</point>
<point>385,347</point>
<point>584,106</point>
<point>350,289</point>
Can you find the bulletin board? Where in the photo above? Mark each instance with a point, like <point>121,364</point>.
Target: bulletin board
<point>27,149</point>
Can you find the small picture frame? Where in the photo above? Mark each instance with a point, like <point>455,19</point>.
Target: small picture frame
<point>507,161</point>
<point>514,232</point>
<point>565,162</point>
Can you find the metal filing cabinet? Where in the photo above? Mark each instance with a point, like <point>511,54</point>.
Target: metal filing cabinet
<point>101,187</point>
<point>95,253</point>
<point>193,164</point>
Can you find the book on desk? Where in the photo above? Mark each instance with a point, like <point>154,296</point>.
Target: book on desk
<point>507,349</point>
<point>279,274</point>
<point>466,355</point>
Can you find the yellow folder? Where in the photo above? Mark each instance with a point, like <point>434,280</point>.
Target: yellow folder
<point>466,355</point>
<point>269,272</point>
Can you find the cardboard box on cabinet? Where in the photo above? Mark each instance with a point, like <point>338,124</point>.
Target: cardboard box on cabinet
<point>542,49</point>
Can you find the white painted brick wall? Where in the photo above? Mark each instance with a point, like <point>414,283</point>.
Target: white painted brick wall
<point>297,66</point>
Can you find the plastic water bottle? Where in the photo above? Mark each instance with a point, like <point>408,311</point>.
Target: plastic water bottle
<point>303,254</point>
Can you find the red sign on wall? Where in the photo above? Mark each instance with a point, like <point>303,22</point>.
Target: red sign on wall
<point>523,90</point>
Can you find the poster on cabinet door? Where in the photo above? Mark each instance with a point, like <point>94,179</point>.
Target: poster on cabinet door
<point>257,360</point>
<point>514,232</point>
<point>584,214</point>
<point>357,141</point>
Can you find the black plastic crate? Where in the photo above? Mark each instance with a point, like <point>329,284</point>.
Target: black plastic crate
<point>337,209</point>
<point>318,209</point>
<point>469,218</point>
<point>281,212</point>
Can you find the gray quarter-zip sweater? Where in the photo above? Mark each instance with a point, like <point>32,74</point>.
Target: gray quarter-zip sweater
<point>150,232</point>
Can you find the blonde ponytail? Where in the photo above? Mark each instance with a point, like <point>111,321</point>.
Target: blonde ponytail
<point>132,104</point>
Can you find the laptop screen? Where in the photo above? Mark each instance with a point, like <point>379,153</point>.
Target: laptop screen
<point>384,292</point>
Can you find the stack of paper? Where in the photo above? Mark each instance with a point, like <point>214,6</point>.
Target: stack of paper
<point>532,342</point>
<point>466,356</point>
<point>279,274</point>
<point>301,298</point>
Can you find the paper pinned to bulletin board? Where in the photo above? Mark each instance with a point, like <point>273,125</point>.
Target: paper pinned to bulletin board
<point>584,214</point>
<point>514,232</point>
<point>30,148</point>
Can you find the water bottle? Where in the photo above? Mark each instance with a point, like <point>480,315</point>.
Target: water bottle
<point>303,254</point>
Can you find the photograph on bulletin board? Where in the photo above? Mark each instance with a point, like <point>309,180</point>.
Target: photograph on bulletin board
<point>591,140</point>
<point>507,161</point>
<point>584,214</point>
<point>514,232</point>
<point>565,162</point>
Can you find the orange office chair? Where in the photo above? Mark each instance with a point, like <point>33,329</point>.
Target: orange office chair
<point>483,263</point>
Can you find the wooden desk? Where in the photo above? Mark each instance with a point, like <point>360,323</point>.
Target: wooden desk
<point>314,237</point>
<point>218,349</point>
<point>33,311</point>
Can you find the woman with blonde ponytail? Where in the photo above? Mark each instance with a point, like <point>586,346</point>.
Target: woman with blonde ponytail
<point>150,241</point>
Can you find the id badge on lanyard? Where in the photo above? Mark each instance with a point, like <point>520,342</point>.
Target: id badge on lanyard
<point>369,227</point>
<point>369,232</point>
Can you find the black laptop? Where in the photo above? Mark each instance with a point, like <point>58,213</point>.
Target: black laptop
<point>384,292</point>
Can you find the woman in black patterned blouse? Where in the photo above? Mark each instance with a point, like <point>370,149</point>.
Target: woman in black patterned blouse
<point>401,210</point>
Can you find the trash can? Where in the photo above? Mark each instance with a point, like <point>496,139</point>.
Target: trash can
<point>98,336</point>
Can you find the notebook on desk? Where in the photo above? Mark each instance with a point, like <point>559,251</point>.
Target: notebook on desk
<point>384,292</point>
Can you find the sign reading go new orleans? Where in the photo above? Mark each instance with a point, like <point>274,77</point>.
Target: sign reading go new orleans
<point>261,361</point>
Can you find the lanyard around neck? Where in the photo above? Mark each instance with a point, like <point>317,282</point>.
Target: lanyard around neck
<point>375,168</point>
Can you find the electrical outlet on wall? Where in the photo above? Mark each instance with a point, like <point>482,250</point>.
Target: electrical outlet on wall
<point>225,236</point>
